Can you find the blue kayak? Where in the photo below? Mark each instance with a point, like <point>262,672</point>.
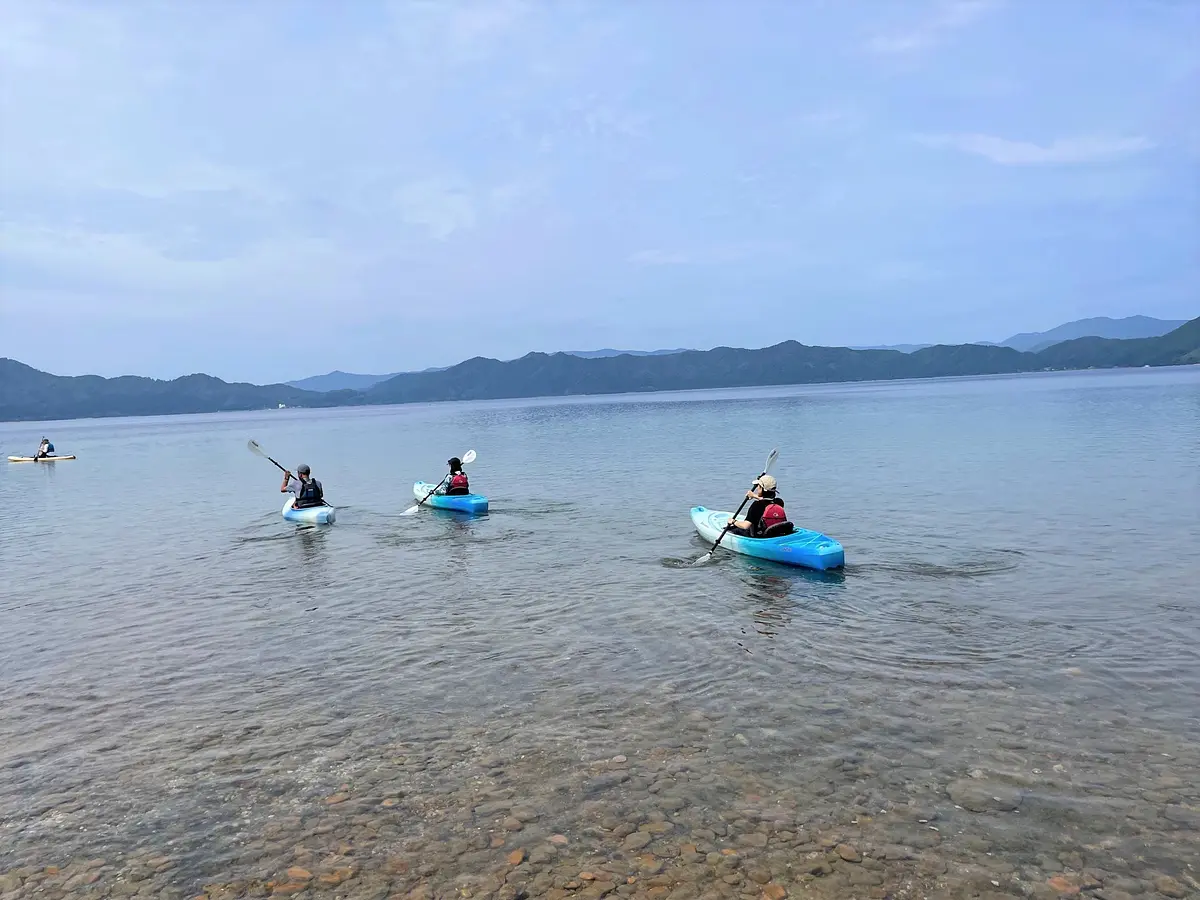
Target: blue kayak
<point>310,515</point>
<point>475,504</point>
<point>802,547</point>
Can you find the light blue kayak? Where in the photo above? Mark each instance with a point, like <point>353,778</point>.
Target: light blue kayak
<point>310,515</point>
<point>475,504</point>
<point>802,547</point>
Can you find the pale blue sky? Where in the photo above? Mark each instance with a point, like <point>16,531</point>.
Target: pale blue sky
<point>273,189</point>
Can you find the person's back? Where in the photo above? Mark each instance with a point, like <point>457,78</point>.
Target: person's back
<point>772,520</point>
<point>766,516</point>
<point>311,494</point>
<point>458,484</point>
<point>306,489</point>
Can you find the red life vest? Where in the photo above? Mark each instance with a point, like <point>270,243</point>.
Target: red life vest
<point>459,482</point>
<point>773,515</point>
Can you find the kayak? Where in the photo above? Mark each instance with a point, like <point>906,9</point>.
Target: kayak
<point>312,515</point>
<point>802,547</point>
<point>476,504</point>
<point>38,458</point>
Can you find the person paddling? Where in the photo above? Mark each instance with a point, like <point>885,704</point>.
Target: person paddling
<point>307,490</point>
<point>45,449</point>
<point>458,483</point>
<point>766,516</point>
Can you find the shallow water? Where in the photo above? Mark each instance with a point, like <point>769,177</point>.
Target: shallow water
<point>999,690</point>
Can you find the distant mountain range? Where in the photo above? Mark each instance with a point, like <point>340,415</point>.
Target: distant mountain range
<point>348,381</point>
<point>1132,327</point>
<point>604,354</point>
<point>26,393</point>
<point>1100,326</point>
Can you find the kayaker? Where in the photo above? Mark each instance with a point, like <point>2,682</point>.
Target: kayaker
<point>458,483</point>
<point>766,516</point>
<point>45,449</point>
<point>308,490</point>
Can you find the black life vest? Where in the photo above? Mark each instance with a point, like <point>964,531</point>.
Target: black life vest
<point>310,495</point>
<point>459,484</point>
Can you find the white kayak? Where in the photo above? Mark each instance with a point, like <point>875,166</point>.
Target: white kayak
<point>38,458</point>
<point>312,515</point>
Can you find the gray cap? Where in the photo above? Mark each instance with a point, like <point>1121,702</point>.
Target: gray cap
<point>303,469</point>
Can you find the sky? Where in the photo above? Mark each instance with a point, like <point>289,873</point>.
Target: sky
<point>268,190</point>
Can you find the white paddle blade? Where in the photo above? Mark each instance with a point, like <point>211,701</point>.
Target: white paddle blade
<point>412,509</point>
<point>774,455</point>
<point>702,560</point>
<point>253,447</point>
<point>468,457</point>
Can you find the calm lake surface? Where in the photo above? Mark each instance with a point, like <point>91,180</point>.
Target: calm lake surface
<point>999,696</point>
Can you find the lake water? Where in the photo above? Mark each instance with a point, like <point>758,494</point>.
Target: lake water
<point>997,697</point>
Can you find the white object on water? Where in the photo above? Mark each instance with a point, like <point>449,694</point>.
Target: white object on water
<point>312,515</point>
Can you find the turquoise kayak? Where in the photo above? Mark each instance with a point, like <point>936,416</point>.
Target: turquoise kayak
<point>802,547</point>
<point>475,504</point>
<point>311,515</point>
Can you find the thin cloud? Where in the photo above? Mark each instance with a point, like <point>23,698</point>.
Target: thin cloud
<point>950,16</point>
<point>455,33</point>
<point>441,206</point>
<point>713,255</point>
<point>1059,152</point>
<point>660,258</point>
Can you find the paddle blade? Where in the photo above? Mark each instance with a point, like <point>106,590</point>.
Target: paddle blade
<point>412,509</point>
<point>702,560</point>
<point>468,457</point>
<point>253,447</point>
<point>774,455</point>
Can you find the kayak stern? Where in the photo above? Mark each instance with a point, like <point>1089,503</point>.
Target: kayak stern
<point>312,515</point>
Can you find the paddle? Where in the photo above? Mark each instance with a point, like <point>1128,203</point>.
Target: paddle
<point>774,455</point>
<point>253,447</point>
<point>467,459</point>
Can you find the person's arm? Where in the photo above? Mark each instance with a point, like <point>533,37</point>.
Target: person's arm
<point>287,479</point>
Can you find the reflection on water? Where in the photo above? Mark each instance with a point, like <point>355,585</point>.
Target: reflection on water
<point>995,698</point>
